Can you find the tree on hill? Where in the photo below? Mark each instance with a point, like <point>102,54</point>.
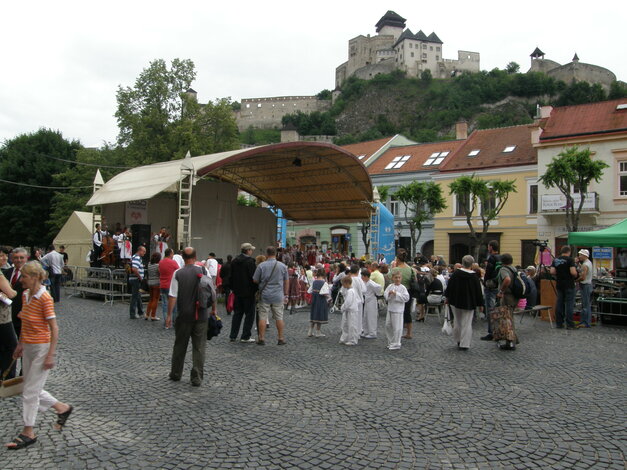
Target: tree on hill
<point>422,201</point>
<point>573,169</point>
<point>487,197</point>
<point>31,160</point>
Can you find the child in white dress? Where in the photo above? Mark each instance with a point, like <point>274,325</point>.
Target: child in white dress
<point>371,310</point>
<point>350,312</point>
<point>396,294</point>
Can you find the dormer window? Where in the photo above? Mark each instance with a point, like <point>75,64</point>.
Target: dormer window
<point>436,158</point>
<point>509,148</point>
<point>474,153</point>
<point>397,162</point>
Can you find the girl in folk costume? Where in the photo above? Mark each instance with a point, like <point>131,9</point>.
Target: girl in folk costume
<point>124,243</point>
<point>303,285</point>
<point>371,310</point>
<point>161,241</point>
<point>360,291</point>
<point>37,348</point>
<point>350,313</point>
<point>397,295</point>
<point>320,297</point>
<point>293,289</point>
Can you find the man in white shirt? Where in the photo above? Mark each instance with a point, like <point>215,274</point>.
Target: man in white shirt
<point>97,247</point>
<point>54,262</point>
<point>212,265</point>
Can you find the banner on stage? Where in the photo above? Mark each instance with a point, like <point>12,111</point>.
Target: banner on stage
<point>137,212</point>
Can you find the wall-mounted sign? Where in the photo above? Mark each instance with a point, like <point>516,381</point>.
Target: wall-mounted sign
<point>557,202</point>
<point>136,212</point>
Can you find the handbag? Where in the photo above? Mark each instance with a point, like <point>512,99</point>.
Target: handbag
<point>230,302</point>
<point>11,387</point>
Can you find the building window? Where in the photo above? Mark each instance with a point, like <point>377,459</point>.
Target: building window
<point>393,206</point>
<point>259,105</point>
<point>424,56</point>
<point>411,45</point>
<point>424,46</point>
<point>397,162</point>
<point>437,48</point>
<point>488,204</point>
<point>430,48</point>
<point>533,198</point>
<point>460,203</point>
<point>436,158</point>
<point>622,178</point>
<point>412,54</point>
<point>473,153</point>
<point>437,57</point>
<point>509,148</point>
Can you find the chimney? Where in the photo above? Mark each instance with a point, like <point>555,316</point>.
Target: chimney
<point>461,130</point>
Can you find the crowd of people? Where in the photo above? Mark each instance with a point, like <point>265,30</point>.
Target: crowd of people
<point>264,288</point>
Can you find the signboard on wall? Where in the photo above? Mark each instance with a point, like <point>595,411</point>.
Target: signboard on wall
<point>136,212</point>
<point>602,253</point>
<point>557,202</point>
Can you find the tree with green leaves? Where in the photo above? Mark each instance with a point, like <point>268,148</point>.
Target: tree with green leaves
<point>160,120</point>
<point>573,169</point>
<point>27,165</point>
<point>80,175</point>
<point>487,197</point>
<point>422,200</point>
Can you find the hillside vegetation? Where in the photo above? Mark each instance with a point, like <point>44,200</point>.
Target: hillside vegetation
<point>426,109</point>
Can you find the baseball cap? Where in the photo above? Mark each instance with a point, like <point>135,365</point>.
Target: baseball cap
<point>584,252</point>
<point>247,246</point>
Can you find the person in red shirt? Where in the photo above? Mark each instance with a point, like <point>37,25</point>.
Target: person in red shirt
<point>167,267</point>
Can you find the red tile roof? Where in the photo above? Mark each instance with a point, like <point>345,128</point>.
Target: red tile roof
<point>491,143</point>
<point>366,148</point>
<point>418,155</point>
<point>570,122</point>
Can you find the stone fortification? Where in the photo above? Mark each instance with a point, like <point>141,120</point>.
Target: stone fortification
<point>396,48</point>
<point>266,113</point>
<point>574,71</point>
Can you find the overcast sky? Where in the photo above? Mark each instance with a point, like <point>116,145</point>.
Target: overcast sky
<point>63,60</point>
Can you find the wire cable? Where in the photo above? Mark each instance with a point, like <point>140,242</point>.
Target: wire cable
<point>45,187</point>
<point>89,164</point>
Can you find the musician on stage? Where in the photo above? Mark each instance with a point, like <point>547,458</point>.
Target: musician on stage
<point>161,240</point>
<point>123,240</point>
<point>96,261</point>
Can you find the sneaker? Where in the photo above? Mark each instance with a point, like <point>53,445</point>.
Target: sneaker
<point>487,337</point>
<point>583,325</point>
<point>281,342</point>
<point>320,335</point>
<point>249,340</point>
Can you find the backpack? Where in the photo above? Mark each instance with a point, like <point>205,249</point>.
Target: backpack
<point>518,287</point>
<point>493,283</point>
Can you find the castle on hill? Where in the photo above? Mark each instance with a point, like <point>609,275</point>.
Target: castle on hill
<point>574,71</point>
<point>397,48</point>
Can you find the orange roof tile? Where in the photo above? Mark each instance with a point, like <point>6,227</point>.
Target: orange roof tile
<point>569,122</point>
<point>491,144</point>
<point>366,148</point>
<point>418,155</point>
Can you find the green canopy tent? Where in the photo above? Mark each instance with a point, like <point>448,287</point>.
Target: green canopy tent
<point>615,236</point>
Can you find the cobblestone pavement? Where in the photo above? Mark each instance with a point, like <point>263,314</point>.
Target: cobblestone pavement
<point>558,401</point>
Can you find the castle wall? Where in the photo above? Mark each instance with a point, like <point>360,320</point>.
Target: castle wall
<point>371,71</point>
<point>266,113</point>
<point>543,65</point>
<point>583,73</point>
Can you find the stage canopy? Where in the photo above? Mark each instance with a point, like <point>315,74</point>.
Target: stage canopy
<point>309,181</point>
<point>615,236</point>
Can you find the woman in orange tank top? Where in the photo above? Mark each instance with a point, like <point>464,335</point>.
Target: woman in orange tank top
<point>37,346</point>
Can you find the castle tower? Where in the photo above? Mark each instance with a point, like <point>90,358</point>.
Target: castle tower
<point>391,24</point>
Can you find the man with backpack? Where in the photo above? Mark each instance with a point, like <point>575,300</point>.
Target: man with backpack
<point>490,280</point>
<point>192,291</point>
<point>511,289</point>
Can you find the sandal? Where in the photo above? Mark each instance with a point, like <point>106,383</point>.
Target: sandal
<point>63,417</point>
<point>21,441</point>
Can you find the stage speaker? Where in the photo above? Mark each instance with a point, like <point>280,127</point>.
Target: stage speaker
<point>141,236</point>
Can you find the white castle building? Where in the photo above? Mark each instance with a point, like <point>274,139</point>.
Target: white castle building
<point>397,48</point>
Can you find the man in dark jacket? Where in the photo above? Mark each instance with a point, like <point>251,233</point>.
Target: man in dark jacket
<point>242,285</point>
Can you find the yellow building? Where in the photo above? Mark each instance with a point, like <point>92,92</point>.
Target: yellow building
<point>492,154</point>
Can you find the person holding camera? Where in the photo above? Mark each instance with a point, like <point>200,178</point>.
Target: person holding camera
<point>565,272</point>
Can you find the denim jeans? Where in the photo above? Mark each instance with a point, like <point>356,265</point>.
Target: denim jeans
<point>164,306</point>
<point>55,287</point>
<point>489,296</point>
<point>586,298</point>
<point>136,298</point>
<point>565,306</point>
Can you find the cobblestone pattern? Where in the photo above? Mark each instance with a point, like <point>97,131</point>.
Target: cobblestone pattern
<point>556,402</point>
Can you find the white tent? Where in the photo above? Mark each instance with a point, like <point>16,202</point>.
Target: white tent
<point>76,235</point>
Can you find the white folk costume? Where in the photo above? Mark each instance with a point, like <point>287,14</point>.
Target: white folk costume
<point>396,297</point>
<point>371,309</point>
<point>124,244</point>
<point>161,244</point>
<point>360,290</point>
<point>350,313</point>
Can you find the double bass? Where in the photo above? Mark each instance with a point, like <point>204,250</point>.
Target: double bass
<point>107,256</point>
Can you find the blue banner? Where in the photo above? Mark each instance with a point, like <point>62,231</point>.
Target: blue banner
<point>382,233</point>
